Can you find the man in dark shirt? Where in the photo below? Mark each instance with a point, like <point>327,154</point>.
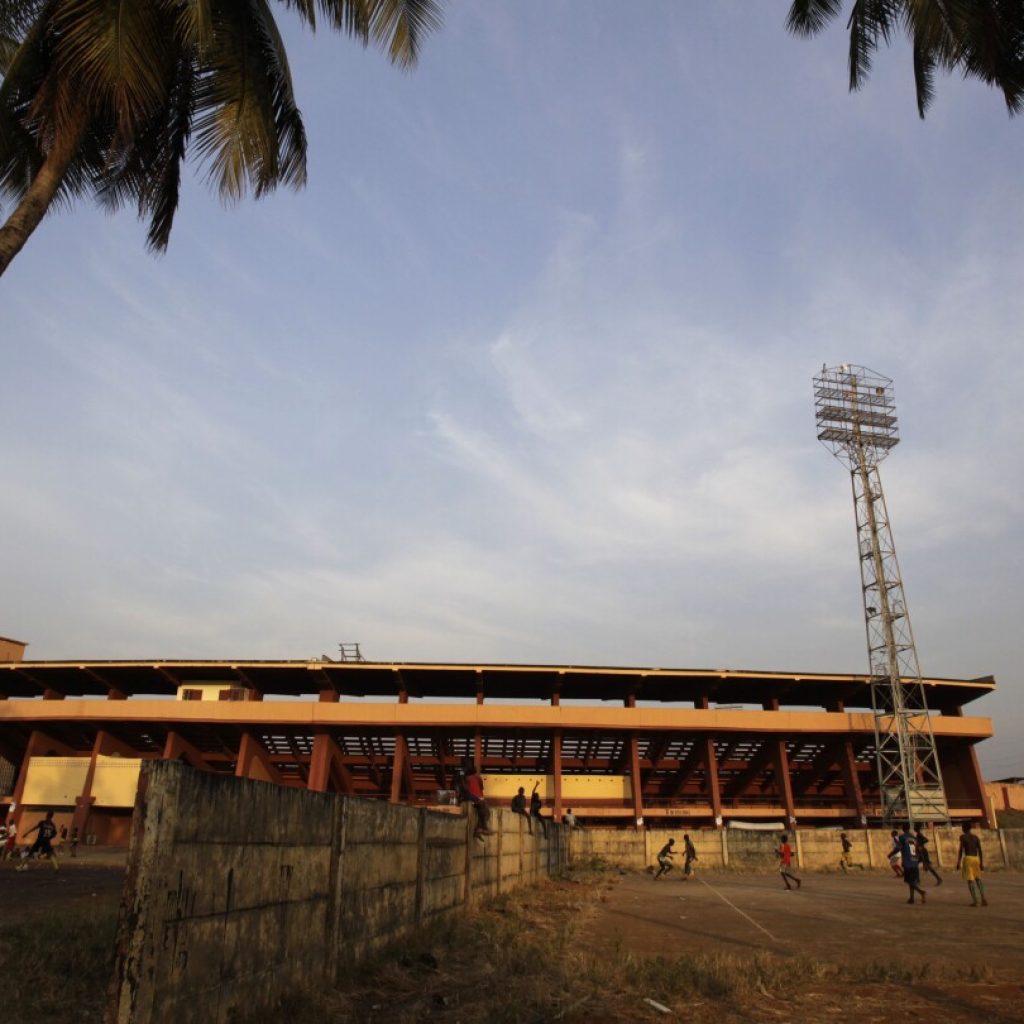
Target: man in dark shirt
<point>908,860</point>
<point>519,807</point>
<point>971,862</point>
<point>535,808</point>
<point>689,857</point>
<point>42,846</point>
<point>665,859</point>
<point>924,857</point>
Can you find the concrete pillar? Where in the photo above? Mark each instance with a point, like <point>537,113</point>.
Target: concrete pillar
<point>253,762</point>
<point>851,780</point>
<point>398,765</point>
<point>871,848</point>
<point>785,784</point>
<point>714,790</point>
<point>799,848</point>
<point>636,783</point>
<point>725,847</point>
<point>177,748</point>
<point>556,773</point>
<point>1002,846</point>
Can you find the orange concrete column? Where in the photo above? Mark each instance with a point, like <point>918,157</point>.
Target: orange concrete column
<point>325,755</point>
<point>253,761</point>
<point>556,772</point>
<point>398,768</point>
<point>785,784</point>
<point>714,790</point>
<point>636,783</point>
<point>104,744</point>
<point>851,781</point>
<point>38,744</point>
<point>177,748</point>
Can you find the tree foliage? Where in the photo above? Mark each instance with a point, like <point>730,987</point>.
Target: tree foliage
<point>982,39</point>
<point>118,94</point>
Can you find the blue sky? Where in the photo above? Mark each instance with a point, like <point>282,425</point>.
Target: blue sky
<point>524,374</point>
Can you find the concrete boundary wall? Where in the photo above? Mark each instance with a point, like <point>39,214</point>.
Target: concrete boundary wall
<point>814,848</point>
<point>238,892</point>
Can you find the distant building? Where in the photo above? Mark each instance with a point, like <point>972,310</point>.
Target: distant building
<point>621,746</point>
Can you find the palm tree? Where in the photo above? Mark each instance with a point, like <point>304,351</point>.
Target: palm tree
<point>107,98</point>
<point>982,39</point>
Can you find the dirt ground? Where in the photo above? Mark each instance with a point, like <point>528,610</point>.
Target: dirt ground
<point>94,875</point>
<point>860,921</point>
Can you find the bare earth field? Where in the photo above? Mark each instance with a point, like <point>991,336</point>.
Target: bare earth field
<point>951,960</point>
<point>591,948</point>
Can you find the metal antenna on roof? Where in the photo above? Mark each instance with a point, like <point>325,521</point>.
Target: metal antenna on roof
<point>856,417</point>
<point>350,652</point>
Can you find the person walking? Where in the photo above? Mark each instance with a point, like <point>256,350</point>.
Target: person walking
<point>785,854</point>
<point>970,862</point>
<point>519,807</point>
<point>689,857</point>
<point>571,820</point>
<point>846,857</point>
<point>535,808</point>
<point>924,858</point>
<point>665,856</point>
<point>895,859</point>
<point>909,863</point>
<point>43,843</point>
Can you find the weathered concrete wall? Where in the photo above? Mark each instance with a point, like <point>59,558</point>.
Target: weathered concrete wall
<point>239,891</point>
<point>228,899</point>
<point>815,849</point>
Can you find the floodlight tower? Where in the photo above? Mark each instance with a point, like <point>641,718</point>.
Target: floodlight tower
<point>856,417</point>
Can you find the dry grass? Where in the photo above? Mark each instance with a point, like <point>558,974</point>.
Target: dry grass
<point>57,966</point>
<point>521,960</point>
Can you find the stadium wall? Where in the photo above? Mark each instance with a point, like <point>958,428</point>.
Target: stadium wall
<point>754,850</point>
<point>239,892</point>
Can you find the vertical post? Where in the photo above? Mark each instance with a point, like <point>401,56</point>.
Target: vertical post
<point>851,781</point>
<point>1002,846</point>
<point>556,770</point>
<point>714,790</point>
<point>799,848</point>
<point>871,848</point>
<point>725,847</point>
<point>636,783</point>
<point>421,859</point>
<point>398,768</point>
<point>785,784</point>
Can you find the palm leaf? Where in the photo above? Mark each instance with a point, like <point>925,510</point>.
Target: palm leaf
<point>808,17</point>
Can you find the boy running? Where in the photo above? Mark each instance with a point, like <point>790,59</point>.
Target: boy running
<point>785,854</point>
<point>894,854</point>
<point>924,857</point>
<point>665,859</point>
<point>911,871</point>
<point>971,862</point>
<point>690,857</point>
<point>47,830</point>
<point>846,858</point>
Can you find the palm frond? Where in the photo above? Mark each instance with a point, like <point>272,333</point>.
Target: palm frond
<point>116,53</point>
<point>808,17</point>
<point>397,26</point>
<point>247,127</point>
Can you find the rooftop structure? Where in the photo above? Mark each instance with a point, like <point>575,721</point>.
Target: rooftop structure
<point>619,746</point>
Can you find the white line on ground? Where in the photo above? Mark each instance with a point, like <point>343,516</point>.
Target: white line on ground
<point>737,909</point>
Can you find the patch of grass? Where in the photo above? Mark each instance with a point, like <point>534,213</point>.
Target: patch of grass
<point>58,966</point>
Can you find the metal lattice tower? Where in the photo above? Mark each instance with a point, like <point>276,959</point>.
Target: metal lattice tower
<point>856,417</point>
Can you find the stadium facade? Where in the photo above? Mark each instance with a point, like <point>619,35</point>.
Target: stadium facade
<point>620,746</point>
